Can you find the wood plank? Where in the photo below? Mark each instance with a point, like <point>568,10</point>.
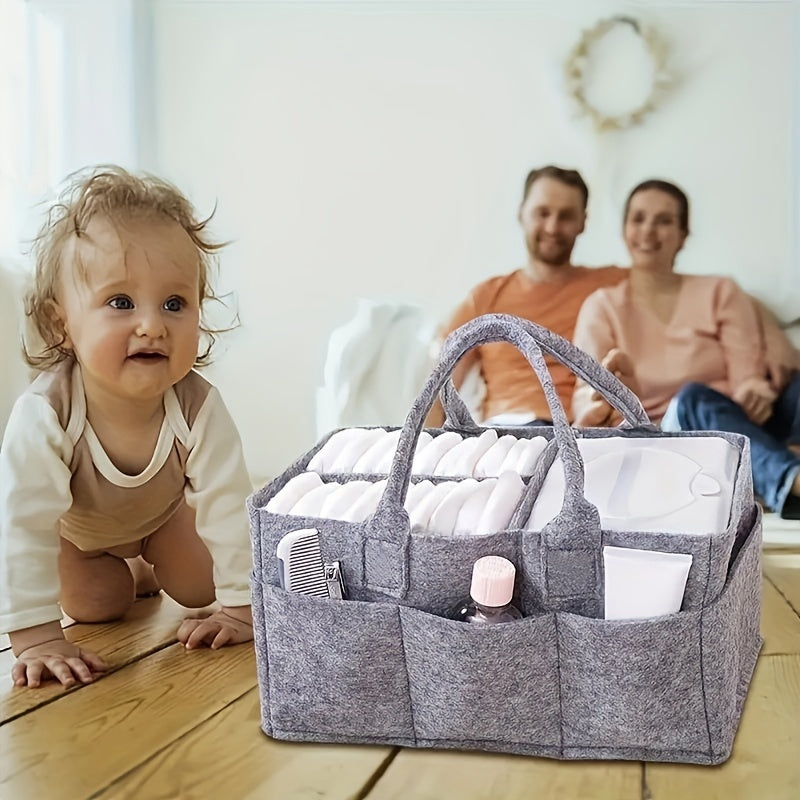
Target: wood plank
<point>77,746</point>
<point>150,625</point>
<point>765,759</point>
<point>783,570</point>
<point>439,774</point>
<point>228,756</point>
<point>780,626</point>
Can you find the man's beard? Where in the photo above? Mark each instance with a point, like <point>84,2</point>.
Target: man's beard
<point>555,254</point>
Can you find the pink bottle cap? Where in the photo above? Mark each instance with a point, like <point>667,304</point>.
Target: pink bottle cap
<point>492,581</point>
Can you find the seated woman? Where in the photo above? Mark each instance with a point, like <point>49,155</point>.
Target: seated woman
<point>691,347</point>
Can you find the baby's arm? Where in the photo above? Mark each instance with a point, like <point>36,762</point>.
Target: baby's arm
<point>217,488</point>
<point>42,652</point>
<point>34,493</point>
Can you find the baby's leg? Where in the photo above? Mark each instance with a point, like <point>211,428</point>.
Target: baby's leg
<point>181,561</point>
<point>96,586</point>
<point>144,578</point>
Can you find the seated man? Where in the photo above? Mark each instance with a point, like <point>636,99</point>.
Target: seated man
<point>550,290</point>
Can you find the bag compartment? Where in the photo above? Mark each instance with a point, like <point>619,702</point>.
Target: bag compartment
<point>441,566</point>
<point>477,686</point>
<point>335,669</point>
<point>630,682</point>
<point>731,644</point>
<point>667,688</point>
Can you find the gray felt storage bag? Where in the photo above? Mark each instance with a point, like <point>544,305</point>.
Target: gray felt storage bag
<point>385,666</point>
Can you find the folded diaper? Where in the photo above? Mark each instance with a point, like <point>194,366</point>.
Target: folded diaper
<point>296,488</point>
<point>424,503</point>
<point>462,459</point>
<point>492,460</point>
<point>443,519</point>
<point>501,504</point>
<point>425,461</point>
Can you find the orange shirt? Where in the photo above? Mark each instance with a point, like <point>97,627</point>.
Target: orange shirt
<point>511,384</point>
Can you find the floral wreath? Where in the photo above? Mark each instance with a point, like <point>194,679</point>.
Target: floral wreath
<point>575,65</point>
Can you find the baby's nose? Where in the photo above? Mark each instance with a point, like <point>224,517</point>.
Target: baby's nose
<point>150,323</point>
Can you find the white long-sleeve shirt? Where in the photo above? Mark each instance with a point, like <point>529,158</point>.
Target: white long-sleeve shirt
<point>56,480</point>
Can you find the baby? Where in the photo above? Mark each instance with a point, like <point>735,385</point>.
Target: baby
<point>120,468</point>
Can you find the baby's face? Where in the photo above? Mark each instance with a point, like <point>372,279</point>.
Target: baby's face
<point>130,304</point>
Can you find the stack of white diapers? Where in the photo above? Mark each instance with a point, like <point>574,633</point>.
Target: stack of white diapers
<point>483,500</point>
<point>465,507</point>
<point>369,451</point>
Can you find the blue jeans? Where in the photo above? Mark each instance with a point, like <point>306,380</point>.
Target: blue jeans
<point>697,407</point>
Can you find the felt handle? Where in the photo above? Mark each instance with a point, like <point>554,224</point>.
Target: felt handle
<point>388,531</point>
<point>619,396</point>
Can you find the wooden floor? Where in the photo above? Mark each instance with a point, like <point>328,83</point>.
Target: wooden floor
<point>167,723</point>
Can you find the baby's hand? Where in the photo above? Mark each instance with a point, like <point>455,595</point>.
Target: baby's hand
<point>226,626</point>
<point>59,659</point>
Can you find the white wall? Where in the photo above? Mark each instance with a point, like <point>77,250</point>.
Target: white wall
<point>377,149</point>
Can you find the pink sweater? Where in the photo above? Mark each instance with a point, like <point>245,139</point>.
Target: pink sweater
<point>714,337</point>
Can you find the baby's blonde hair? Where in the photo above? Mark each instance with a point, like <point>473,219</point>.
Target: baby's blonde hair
<point>111,192</point>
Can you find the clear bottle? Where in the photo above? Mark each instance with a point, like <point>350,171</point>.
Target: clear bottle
<point>490,593</point>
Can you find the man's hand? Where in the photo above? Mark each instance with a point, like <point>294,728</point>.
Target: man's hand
<point>230,625</point>
<point>59,659</point>
<point>756,398</point>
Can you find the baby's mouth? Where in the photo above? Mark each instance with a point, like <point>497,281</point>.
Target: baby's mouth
<point>147,358</point>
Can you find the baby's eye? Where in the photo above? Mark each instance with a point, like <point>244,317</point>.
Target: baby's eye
<point>121,302</point>
<point>174,304</point>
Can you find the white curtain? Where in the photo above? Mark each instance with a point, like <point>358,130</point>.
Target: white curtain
<point>28,115</point>
<point>69,97</point>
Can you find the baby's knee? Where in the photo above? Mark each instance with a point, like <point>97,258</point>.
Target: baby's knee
<point>191,597</point>
<point>85,608</point>
<point>102,595</point>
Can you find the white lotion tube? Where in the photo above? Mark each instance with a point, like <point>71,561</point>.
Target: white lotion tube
<point>643,583</point>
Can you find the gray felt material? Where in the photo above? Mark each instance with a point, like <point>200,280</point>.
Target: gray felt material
<point>385,667</point>
<point>463,688</point>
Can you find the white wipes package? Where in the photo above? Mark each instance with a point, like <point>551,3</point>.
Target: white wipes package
<point>681,485</point>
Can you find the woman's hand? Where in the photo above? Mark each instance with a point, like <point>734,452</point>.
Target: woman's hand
<point>621,365</point>
<point>781,356</point>
<point>231,625</point>
<point>599,413</point>
<point>756,398</point>
<point>59,659</point>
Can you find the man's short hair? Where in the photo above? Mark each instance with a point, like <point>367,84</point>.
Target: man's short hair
<point>571,177</point>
